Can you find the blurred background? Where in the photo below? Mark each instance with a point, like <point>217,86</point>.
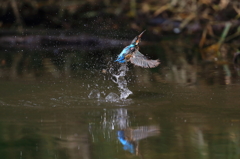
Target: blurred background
<point>59,99</point>
<point>172,16</point>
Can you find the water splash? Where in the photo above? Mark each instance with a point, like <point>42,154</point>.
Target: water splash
<point>121,81</point>
<point>112,97</point>
<point>94,94</point>
<point>117,77</point>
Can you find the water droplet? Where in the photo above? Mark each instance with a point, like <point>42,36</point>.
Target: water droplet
<point>112,97</point>
<point>94,94</point>
<point>122,82</point>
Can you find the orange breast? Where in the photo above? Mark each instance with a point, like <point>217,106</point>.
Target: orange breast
<point>128,56</point>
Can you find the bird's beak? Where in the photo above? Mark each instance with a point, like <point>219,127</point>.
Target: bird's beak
<point>141,34</point>
<point>139,38</point>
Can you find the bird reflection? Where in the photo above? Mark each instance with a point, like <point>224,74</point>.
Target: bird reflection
<point>131,53</point>
<point>236,58</point>
<point>236,62</point>
<point>130,137</point>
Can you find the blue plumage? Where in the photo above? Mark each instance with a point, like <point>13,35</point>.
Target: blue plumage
<point>125,51</point>
<point>127,145</point>
<point>131,53</point>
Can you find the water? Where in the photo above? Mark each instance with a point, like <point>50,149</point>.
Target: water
<point>75,109</point>
<point>122,82</point>
<point>112,97</point>
<point>94,94</point>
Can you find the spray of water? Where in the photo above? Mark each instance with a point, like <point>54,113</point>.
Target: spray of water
<point>121,81</point>
<point>117,77</point>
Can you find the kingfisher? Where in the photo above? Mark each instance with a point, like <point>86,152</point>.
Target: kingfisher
<point>131,53</point>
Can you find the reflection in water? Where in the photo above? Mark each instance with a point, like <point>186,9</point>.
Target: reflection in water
<point>111,120</point>
<point>236,62</point>
<point>42,136</point>
<point>76,145</point>
<point>115,119</point>
<point>183,69</point>
<point>130,137</point>
<point>197,127</point>
<point>187,68</point>
<point>13,72</point>
<point>127,135</point>
<point>46,115</point>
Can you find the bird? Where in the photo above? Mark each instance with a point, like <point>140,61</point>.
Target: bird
<point>131,54</point>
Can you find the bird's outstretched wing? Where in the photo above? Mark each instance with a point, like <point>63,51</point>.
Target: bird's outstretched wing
<point>140,60</point>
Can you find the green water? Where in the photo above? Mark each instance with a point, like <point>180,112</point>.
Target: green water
<point>47,110</point>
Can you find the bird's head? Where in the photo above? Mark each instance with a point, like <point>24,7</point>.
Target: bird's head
<point>137,39</point>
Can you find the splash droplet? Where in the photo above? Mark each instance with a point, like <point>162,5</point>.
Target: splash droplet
<point>112,97</point>
<point>122,82</point>
<point>94,94</point>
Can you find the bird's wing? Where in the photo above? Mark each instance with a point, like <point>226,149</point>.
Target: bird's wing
<point>140,60</point>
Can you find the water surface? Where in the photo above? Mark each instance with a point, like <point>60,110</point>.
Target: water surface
<point>65,105</point>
